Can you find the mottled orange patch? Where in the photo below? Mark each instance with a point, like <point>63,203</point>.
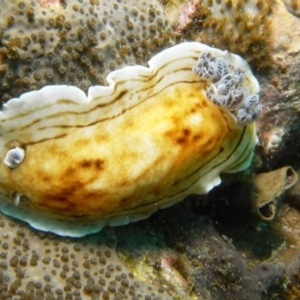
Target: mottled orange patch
<point>143,156</point>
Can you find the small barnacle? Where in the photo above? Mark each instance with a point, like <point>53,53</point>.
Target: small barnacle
<point>59,20</point>
<point>102,35</point>
<point>65,57</point>
<point>91,23</point>
<point>10,75</point>
<point>50,22</point>
<point>130,36</point>
<point>18,82</point>
<point>160,21</point>
<point>112,65</point>
<point>68,25</point>
<point>144,43</point>
<point>14,157</point>
<point>100,57</point>
<point>41,37</point>
<point>152,28</point>
<point>10,20</point>
<point>79,72</point>
<point>123,41</point>
<point>81,31</point>
<point>62,33</point>
<point>68,47</point>
<point>75,55</point>
<point>113,53</point>
<point>26,81</point>
<point>49,74</point>
<point>34,36</point>
<point>2,69</point>
<point>73,67</point>
<point>37,76</point>
<point>26,41</point>
<point>92,39</point>
<point>30,13</point>
<point>14,43</point>
<point>79,47</point>
<point>75,7</point>
<point>36,64</point>
<point>122,31</point>
<point>85,61</point>
<point>118,59</point>
<point>100,79</point>
<point>56,62</point>
<point>62,70</point>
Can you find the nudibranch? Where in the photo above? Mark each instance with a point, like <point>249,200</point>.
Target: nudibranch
<point>72,163</point>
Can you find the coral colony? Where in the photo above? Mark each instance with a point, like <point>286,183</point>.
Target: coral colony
<point>35,265</point>
<point>75,42</point>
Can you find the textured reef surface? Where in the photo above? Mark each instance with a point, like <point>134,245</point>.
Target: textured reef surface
<point>241,241</point>
<point>75,42</point>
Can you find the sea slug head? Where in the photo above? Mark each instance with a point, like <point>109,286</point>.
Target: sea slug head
<point>230,87</point>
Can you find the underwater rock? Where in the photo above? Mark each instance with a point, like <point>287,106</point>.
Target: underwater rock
<point>206,263</point>
<point>288,222</point>
<point>278,126</point>
<point>270,188</point>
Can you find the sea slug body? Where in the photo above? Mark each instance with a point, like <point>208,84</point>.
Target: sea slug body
<point>73,163</point>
